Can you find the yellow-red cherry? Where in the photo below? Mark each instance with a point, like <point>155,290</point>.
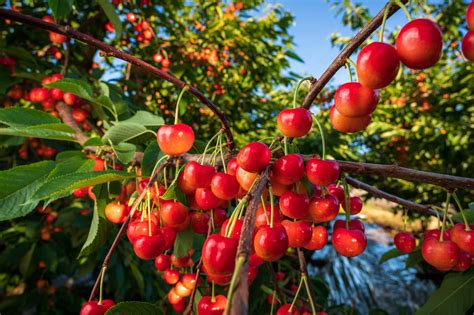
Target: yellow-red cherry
<point>175,139</point>
<point>294,122</point>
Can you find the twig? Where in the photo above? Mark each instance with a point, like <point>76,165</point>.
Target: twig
<point>65,112</point>
<point>67,57</point>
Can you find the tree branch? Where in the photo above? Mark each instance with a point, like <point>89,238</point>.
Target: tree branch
<point>114,52</point>
<point>65,112</point>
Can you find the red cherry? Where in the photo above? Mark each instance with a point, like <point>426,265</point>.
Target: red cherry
<point>294,205</point>
<point>232,167</point>
<point>171,276</point>
<point>464,262</point>
<point>200,222</point>
<point>181,290</point>
<point>470,16</point>
<point>174,298</point>
<point>70,99</point>
<point>209,306</point>
<point>225,186</point>
<point>56,38</point>
<point>179,307</point>
<point>39,95</point>
<point>355,205</point>
<point>436,234</point>
<point>443,255</point>
<point>198,175</point>
<point>218,254</point>
<point>405,242</point>
<point>149,247</point>
<point>219,279</point>
<point>184,185</point>
<point>169,234</point>
<point>140,228</point>
<point>56,94</point>
<point>337,192</point>
<point>79,115</point>
<point>272,300</point>
<point>299,233</point>
<point>237,228</point>
<point>419,44</point>
<point>109,27</point>
<point>180,262</point>
<point>162,262</point>
<point>322,172</point>
<point>287,309</point>
<point>295,122</point>
<point>464,239</point>
<point>271,243</point>
<point>467,46</point>
<point>116,212</point>
<point>348,124</point>
<point>220,215</point>
<point>323,209</point>
<point>319,238</point>
<point>245,178</point>
<point>205,199</point>
<point>93,307</point>
<point>263,214</point>
<point>377,65</point>
<point>173,213</point>
<point>80,192</point>
<point>349,243</point>
<point>354,224</point>
<point>254,157</point>
<point>353,99</point>
<point>166,63</point>
<point>277,188</point>
<point>288,169</point>
<point>157,58</point>
<point>131,17</point>
<point>175,139</point>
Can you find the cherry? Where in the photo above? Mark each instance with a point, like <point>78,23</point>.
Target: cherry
<point>205,199</point>
<point>70,99</point>
<point>220,279</point>
<point>354,224</point>
<point>166,63</point>
<point>149,247</point>
<point>350,242</point>
<point>348,124</point>
<point>288,169</point>
<point>212,306</point>
<point>272,300</point>
<point>171,276</point>
<point>245,178</point>
<point>189,280</point>
<point>225,186</point>
<point>116,212</point>
<point>443,255</point>
<point>200,222</point>
<point>463,238</point>
<point>56,38</point>
<point>220,215</point>
<point>299,233</point>
<point>80,192</point>
<point>323,209</point>
<point>180,307</point>
<point>355,205</point>
<point>337,192</point>
<point>131,17</point>
<point>261,217</point>
<point>377,65</point>
<point>294,122</point>
<point>319,238</point>
<point>294,205</point>
<point>353,99</point>
<point>109,27</point>
<point>173,213</point>
<point>157,58</point>
<point>277,188</point>
<point>464,262</point>
<point>99,164</point>
<point>218,254</point>
<point>271,243</point>
<point>436,234</point>
<point>180,262</point>
<point>419,44</point>
<point>174,297</point>
<point>197,175</point>
<point>140,228</point>
<point>467,46</point>
<point>162,262</point>
<point>39,95</point>
<point>169,234</point>
<point>232,167</point>
<point>184,185</point>
<point>237,228</point>
<point>93,307</point>
<point>287,309</point>
<point>254,157</point>
<point>181,290</point>
<point>470,16</point>
<point>175,139</point>
<point>405,242</point>
<point>322,172</point>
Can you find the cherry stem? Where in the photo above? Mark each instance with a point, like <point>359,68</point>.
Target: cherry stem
<point>285,145</point>
<point>213,292</point>
<point>349,62</point>
<point>265,210</point>
<point>296,295</point>
<point>405,219</point>
<point>308,292</point>
<point>466,224</point>
<point>176,114</point>
<point>235,215</point>
<point>238,265</point>
<point>272,206</point>
<point>445,214</point>
<point>148,211</point>
<point>346,201</point>
<point>298,87</point>
<point>101,284</point>
<point>349,72</point>
<point>273,302</point>
<point>222,153</point>
<point>404,8</point>
<point>385,15</point>
<point>203,155</point>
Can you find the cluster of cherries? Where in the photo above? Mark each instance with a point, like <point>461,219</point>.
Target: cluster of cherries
<point>467,44</point>
<point>37,147</point>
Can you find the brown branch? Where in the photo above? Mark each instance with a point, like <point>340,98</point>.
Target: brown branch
<point>67,57</point>
<point>240,297</point>
<point>114,52</point>
<point>341,59</point>
<point>65,112</point>
<point>114,245</point>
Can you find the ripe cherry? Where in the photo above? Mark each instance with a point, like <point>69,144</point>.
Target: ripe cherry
<point>174,298</point>
<point>470,16</point>
<point>225,186</point>
<point>294,122</point>
<point>218,254</point>
<point>80,192</point>
<point>263,214</point>
<point>220,279</point>
<point>116,212</point>
<point>405,242</point>
<point>337,192</point>
<point>232,167</point>
<point>355,205</point>
<point>136,229</point>
<point>377,65</point>
<point>70,99</point>
<point>184,185</point>
<point>348,124</point>
<point>349,243</point>
<point>294,205</point>
<point>236,229</point>
<point>162,262</point>
<point>173,213</point>
<point>212,306</point>
<point>319,238</point>
<point>254,157</point>
<point>354,224</point>
<point>288,169</point>
<point>245,178</point>
<point>322,172</point>
<point>299,233</point>
<point>93,307</point>
<point>464,262</point>
<point>180,262</point>
<point>419,44</point>
<point>175,139</point>
<point>205,199</point>
<point>56,94</point>
<point>467,46</point>
<point>171,276</point>
<point>198,175</point>
<point>56,38</point>
<point>157,58</point>
<point>39,95</point>
<point>463,238</point>
<point>436,234</point>
<point>169,234</point>
<point>271,243</point>
<point>149,247</point>
<point>288,309</point>
<point>277,188</point>
<point>200,222</point>
<point>131,17</point>
<point>323,209</point>
<point>189,280</point>
<point>220,215</point>
<point>79,115</point>
<point>353,99</point>
<point>443,255</point>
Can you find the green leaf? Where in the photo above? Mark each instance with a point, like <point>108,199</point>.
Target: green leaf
<point>467,213</point>
<point>146,119</point>
<point>134,308</point>
<point>93,141</point>
<point>25,261</point>
<point>138,278</point>
<point>16,117</point>
<point>60,8</point>
<point>48,131</point>
<point>151,155</point>
<point>71,165</point>
<point>77,87</point>
<point>64,155</point>
<point>454,296</point>
<point>18,185</point>
<point>293,55</point>
<point>6,81</point>
<point>393,253</point>
<point>97,234</point>
<point>123,132</point>
<point>124,151</point>
<point>414,258</point>
<point>109,10</point>
<point>184,242</point>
